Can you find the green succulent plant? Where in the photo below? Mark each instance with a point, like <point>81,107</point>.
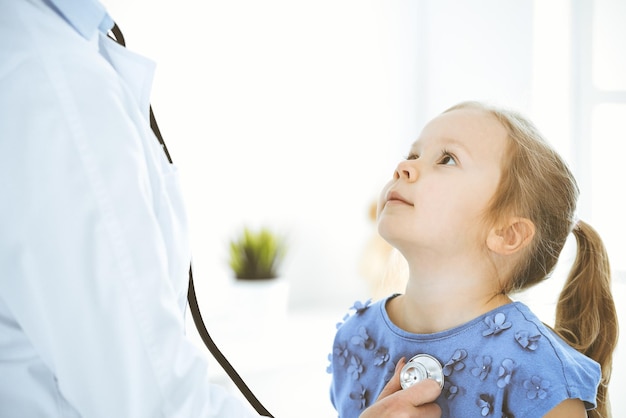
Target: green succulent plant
<point>257,255</point>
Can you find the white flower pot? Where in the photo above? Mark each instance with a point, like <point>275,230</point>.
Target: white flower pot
<point>258,308</point>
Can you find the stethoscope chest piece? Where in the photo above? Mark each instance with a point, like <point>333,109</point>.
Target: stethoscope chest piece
<point>420,367</point>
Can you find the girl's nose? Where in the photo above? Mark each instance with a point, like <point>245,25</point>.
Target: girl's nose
<point>406,170</point>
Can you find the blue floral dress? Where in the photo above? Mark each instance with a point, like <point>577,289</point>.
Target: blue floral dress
<point>505,363</point>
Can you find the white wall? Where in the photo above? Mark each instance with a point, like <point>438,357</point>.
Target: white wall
<point>282,113</point>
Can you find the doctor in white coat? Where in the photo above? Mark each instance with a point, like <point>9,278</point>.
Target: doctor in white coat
<point>94,252</point>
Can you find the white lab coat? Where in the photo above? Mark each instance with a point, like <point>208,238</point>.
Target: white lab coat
<point>94,250</point>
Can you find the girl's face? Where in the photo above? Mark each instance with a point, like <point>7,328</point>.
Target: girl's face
<point>438,195</point>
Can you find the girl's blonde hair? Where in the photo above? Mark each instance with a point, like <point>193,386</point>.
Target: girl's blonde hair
<point>537,184</point>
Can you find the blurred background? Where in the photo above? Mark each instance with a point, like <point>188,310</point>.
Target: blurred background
<point>293,114</point>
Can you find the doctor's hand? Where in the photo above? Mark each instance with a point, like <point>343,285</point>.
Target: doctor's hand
<point>413,402</point>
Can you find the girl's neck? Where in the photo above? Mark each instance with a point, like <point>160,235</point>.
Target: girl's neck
<point>439,299</point>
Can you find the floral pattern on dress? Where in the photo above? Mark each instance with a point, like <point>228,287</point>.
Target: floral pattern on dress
<point>359,395</point>
<point>485,403</point>
<point>496,324</point>
<point>340,323</point>
<point>355,368</point>
<point>382,357</point>
<point>483,368</point>
<point>341,354</point>
<point>537,388</point>
<point>363,339</point>
<point>505,372</point>
<point>526,340</point>
<point>359,307</point>
<point>329,368</point>
<point>455,363</point>
<point>450,390</point>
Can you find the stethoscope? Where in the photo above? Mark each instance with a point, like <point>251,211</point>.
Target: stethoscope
<point>191,293</point>
<point>420,367</point>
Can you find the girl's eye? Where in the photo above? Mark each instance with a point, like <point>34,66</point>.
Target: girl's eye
<point>412,156</point>
<point>447,159</point>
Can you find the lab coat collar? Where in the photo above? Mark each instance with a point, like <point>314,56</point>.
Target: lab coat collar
<point>86,16</point>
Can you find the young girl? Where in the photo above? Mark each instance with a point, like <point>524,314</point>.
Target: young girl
<point>481,208</point>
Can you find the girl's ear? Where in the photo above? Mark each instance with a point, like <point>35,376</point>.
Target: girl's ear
<point>514,236</point>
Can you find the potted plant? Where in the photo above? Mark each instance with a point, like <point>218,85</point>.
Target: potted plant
<point>257,255</point>
<point>259,292</point>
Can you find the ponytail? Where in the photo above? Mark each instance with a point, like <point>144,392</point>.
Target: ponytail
<point>538,185</point>
<point>585,314</point>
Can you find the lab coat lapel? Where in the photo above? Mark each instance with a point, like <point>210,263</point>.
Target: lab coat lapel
<point>136,70</point>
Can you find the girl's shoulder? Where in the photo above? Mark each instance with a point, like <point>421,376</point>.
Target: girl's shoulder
<point>361,313</point>
<point>541,354</point>
<point>525,330</point>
